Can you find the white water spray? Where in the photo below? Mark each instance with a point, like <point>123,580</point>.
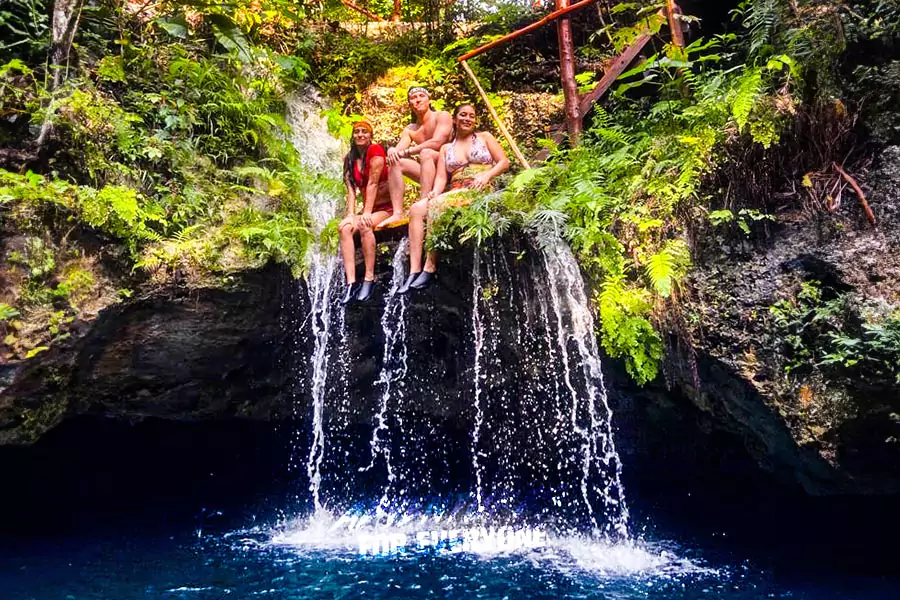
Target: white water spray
<point>320,152</point>
<point>478,334</point>
<point>393,370</point>
<point>600,457</point>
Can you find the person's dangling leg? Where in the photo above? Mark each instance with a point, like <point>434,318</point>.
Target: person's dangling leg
<point>346,230</point>
<point>418,212</point>
<point>367,241</point>
<point>430,262</point>
<point>427,276</point>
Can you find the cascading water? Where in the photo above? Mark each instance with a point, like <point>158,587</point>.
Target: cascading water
<point>540,442</point>
<point>320,152</point>
<point>600,460</point>
<point>542,445</point>
<point>393,372</point>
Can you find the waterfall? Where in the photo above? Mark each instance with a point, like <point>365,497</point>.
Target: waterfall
<point>393,372</point>
<point>599,456</point>
<point>540,450</point>
<point>542,428</point>
<point>320,152</point>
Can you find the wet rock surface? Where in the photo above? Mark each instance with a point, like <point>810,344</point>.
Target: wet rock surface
<point>177,354</point>
<point>831,430</point>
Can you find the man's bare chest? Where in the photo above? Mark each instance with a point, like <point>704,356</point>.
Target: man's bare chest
<point>422,133</point>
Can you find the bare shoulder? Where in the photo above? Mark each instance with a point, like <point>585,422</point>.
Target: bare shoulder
<point>486,136</point>
<point>443,115</point>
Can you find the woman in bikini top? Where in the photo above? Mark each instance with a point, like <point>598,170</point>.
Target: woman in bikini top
<point>460,176</point>
<point>468,162</point>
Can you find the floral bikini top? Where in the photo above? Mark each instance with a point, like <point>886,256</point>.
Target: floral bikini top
<point>478,155</point>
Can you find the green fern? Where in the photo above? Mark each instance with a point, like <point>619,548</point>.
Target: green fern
<point>626,330</point>
<point>667,267</point>
<point>761,19</point>
<point>749,90</point>
<point>7,312</point>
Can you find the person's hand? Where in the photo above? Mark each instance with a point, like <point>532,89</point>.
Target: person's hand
<point>393,156</point>
<point>366,219</point>
<point>432,195</point>
<point>480,181</point>
<point>347,221</point>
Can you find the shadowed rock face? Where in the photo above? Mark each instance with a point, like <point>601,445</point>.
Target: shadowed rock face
<point>213,354</point>
<point>831,430</point>
<point>178,354</point>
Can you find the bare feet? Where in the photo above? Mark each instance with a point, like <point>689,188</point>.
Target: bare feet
<point>391,219</point>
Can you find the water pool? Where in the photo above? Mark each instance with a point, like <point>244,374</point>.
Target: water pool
<point>293,562</point>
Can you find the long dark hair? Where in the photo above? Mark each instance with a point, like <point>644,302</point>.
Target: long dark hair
<point>350,158</point>
<point>456,110</point>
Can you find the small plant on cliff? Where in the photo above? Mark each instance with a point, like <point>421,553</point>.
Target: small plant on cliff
<point>832,332</point>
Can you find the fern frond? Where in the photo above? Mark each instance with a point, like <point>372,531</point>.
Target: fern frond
<point>762,19</point>
<point>749,89</point>
<point>666,267</point>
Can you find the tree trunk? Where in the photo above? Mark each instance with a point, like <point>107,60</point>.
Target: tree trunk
<point>65,22</point>
<point>398,11</point>
<point>63,27</point>
<point>673,11</point>
<point>567,74</point>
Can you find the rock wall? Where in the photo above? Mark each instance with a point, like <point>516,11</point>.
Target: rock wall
<point>179,353</point>
<point>832,430</point>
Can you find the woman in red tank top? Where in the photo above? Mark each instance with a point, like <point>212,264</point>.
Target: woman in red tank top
<point>365,172</point>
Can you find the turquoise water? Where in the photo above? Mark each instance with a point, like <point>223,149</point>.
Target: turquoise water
<point>257,562</point>
<point>198,518</point>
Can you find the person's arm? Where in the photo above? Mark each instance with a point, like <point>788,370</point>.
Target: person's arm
<point>440,176</point>
<point>376,165</point>
<point>501,162</point>
<point>401,150</point>
<point>442,131</point>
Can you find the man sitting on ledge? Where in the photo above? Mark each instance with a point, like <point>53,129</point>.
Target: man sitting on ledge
<point>422,140</point>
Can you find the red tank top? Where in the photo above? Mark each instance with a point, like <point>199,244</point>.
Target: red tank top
<point>361,179</point>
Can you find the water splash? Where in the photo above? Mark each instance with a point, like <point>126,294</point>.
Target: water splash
<point>353,535</point>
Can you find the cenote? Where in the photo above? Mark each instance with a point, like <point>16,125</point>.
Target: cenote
<point>188,410</point>
<point>477,454</point>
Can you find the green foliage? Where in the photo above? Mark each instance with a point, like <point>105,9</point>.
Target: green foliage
<point>7,312</point>
<point>626,330</point>
<point>668,266</point>
<point>75,288</point>
<point>24,29</point>
<point>836,334</point>
<point>762,20</point>
<point>744,219</point>
<point>274,235</point>
<point>118,211</point>
<point>467,216</point>
<point>170,134</point>
<point>38,261</point>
